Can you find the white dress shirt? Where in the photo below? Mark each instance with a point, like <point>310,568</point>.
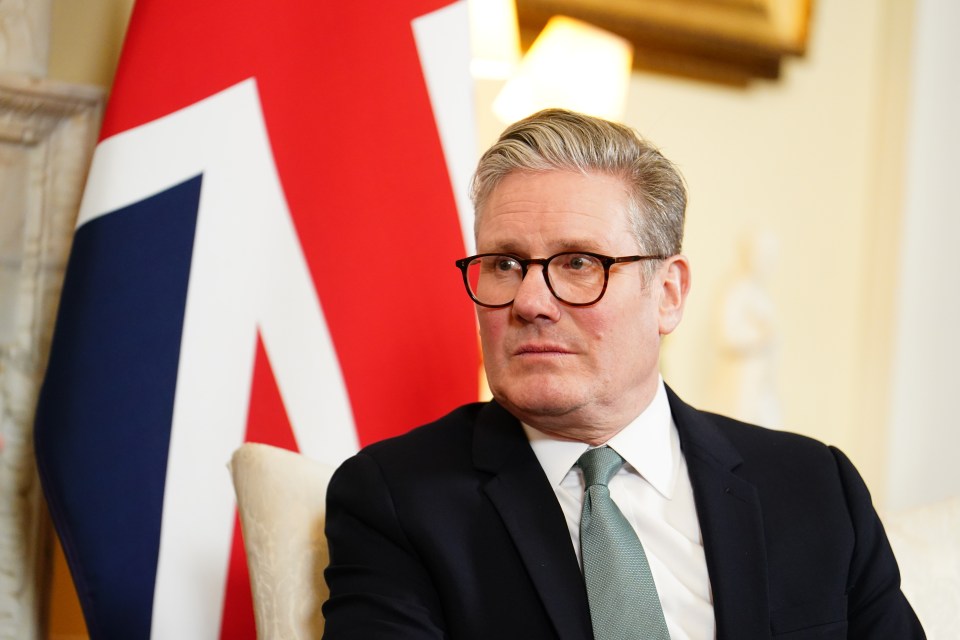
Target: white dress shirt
<point>654,493</point>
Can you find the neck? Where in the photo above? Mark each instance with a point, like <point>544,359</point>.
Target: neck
<point>592,425</point>
<point>593,437</point>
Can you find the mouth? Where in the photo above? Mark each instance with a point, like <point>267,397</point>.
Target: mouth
<point>541,350</point>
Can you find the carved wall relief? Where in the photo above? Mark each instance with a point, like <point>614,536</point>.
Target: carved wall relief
<point>47,134</point>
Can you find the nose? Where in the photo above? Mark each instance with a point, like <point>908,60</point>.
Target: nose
<point>534,299</point>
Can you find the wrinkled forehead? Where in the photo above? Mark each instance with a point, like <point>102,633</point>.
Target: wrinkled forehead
<point>615,186</point>
<point>556,210</point>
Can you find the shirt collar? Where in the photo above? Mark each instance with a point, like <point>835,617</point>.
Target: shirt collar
<point>650,445</point>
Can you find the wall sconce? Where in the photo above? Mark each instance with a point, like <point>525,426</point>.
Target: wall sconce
<point>573,65</point>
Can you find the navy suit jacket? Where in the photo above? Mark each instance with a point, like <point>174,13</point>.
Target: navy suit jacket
<point>453,531</point>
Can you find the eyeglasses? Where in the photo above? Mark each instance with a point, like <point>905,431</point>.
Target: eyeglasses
<point>578,279</point>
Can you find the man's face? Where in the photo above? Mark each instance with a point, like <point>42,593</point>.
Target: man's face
<point>574,371</point>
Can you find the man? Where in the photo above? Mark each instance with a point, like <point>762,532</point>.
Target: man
<point>483,525</point>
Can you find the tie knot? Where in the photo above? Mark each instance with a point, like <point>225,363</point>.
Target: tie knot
<point>599,465</point>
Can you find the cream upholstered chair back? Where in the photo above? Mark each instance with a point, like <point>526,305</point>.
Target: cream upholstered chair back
<point>281,496</point>
<point>926,541</point>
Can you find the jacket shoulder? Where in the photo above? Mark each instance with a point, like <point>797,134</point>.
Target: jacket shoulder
<point>753,452</point>
<point>447,432</point>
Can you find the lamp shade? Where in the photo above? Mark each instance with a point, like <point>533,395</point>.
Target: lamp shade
<point>573,65</point>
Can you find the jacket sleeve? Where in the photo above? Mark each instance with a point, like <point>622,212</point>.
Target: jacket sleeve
<point>876,608</point>
<point>379,587</point>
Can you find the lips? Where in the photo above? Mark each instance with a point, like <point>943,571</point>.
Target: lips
<point>537,349</point>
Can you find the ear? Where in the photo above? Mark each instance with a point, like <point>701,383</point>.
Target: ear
<point>674,281</point>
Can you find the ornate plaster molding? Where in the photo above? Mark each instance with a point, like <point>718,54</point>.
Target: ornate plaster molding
<point>47,135</point>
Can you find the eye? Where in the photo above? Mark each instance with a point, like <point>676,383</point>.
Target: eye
<point>579,262</point>
<point>506,263</point>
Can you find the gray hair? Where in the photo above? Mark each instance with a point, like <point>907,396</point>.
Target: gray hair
<point>556,139</point>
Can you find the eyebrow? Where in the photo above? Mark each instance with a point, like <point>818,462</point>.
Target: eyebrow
<point>510,246</point>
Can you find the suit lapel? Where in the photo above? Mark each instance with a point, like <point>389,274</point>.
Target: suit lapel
<point>728,508</point>
<point>529,509</point>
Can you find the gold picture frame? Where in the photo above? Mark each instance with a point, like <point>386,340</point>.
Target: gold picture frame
<point>727,41</point>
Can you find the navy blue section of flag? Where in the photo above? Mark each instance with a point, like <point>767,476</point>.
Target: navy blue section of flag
<point>105,411</point>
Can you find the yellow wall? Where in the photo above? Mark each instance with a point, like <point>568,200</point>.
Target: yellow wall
<point>85,39</point>
<point>803,158</point>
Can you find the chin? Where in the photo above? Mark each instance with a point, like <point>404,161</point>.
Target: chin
<point>537,399</point>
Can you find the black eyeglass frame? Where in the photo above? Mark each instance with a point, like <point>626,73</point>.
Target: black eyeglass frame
<point>607,261</point>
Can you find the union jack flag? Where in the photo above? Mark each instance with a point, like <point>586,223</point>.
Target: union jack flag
<point>263,253</point>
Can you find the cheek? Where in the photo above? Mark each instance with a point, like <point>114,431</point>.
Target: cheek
<point>606,324</point>
<point>629,333</point>
<point>491,332</point>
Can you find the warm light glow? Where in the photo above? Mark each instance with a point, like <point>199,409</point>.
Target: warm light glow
<point>494,38</point>
<point>573,65</point>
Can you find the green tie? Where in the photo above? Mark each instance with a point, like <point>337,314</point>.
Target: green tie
<point>623,598</point>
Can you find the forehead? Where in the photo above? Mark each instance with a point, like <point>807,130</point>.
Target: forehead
<point>556,210</point>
